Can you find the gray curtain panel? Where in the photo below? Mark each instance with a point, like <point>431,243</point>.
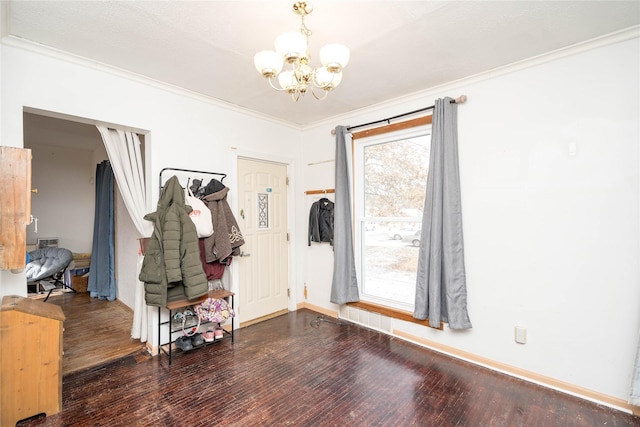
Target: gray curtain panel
<point>441,290</point>
<point>102,282</point>
<point>344,287</point>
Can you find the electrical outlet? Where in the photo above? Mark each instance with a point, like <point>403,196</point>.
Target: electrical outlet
<point>521,334</point>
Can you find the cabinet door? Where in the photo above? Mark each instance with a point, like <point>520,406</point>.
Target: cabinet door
<point>15,205</point>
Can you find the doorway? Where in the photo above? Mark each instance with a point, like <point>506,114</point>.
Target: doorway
<point>64,158</point>
<point>264,263</point>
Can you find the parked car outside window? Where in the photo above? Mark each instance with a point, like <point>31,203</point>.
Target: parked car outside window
<point>413,238</point>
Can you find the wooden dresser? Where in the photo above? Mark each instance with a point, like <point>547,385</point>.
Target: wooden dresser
<point>30,359</point>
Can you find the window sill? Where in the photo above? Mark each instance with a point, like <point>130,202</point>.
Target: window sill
<point>392,312</point>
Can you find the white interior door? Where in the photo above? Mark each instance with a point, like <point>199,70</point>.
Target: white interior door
<point>263,268</point>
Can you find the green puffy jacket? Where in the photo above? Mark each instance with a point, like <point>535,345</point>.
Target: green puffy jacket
<point>172,267</point>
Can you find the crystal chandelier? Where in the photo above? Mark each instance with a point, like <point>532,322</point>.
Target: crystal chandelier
<point>300,78</point>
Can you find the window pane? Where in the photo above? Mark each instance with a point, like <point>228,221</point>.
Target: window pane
<point>395,177</point>
<point>390,264</point>
<point>263,210</point>
<point>393,180</point>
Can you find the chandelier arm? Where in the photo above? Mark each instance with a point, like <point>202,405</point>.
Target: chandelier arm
<point>279,89</point>
<point>315,95</point>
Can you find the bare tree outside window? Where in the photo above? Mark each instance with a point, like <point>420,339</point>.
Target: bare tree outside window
<point>392,179</point>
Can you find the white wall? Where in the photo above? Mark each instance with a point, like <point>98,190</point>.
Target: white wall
<point>551,239</point>
<point>64,203</point>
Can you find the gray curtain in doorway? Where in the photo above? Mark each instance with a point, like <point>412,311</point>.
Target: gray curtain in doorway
<point>441,290</point>
<point>102,283</point>
<point>344,287</point>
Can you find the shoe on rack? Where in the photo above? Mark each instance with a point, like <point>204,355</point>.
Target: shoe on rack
<point>184,343</point>
<point>197,340</point>
<point>219,333</point>
<point>209,335</point>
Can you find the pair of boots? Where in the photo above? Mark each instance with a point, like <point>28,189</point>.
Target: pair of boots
<point>186,343</point>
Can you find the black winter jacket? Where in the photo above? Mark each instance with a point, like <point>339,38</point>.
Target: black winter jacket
<point>321,221</point>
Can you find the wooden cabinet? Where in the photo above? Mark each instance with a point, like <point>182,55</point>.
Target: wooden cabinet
<point>30,359</point>
<point>15,206</point>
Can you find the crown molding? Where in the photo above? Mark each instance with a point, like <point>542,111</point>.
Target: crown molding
<point>455,85</point>
<point>608,39</point>
<point>38,48</point>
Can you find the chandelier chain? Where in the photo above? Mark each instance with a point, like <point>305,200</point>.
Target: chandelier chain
<point>304,29</point>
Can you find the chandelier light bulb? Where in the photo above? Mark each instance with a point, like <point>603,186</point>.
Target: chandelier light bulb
<point>334,56</point>
<point>292,46</point>
<point>327,80</point>
<point>287,80</point>
<point>268,63</point>
<point>300,77</point>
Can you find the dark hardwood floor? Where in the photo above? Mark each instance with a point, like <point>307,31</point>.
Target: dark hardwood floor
<point>95,331</point>
<point>295,370</point>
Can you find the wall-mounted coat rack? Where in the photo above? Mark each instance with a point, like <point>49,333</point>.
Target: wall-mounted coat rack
<point>223,175</point>
<point>327,191</point>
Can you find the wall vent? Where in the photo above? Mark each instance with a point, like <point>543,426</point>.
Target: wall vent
<point>47,242</point>
<point>366,318</point>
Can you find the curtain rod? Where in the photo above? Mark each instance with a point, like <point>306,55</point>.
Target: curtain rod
<point>459,100</point>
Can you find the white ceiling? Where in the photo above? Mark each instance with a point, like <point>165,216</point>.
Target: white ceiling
<point>397,47</point>
<point>45,130</point>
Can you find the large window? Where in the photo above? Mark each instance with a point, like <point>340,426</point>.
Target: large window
<point>390,184</point>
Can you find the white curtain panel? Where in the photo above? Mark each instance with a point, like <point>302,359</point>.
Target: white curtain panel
<point>123,150</point>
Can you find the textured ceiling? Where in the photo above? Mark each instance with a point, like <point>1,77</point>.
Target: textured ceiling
<point>397,47</point>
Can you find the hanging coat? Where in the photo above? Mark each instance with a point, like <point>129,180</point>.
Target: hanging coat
<point>227,238</point>
<point>321,221</point>
<point>171,268</point>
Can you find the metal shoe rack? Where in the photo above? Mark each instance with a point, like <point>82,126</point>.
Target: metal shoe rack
<point>176,305</point>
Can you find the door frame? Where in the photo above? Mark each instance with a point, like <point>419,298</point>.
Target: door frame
<point>236,155</point>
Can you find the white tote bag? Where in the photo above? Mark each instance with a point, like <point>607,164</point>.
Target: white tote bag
<point>200,215</point>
